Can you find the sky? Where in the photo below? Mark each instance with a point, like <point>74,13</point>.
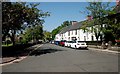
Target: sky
<point>63,11</point>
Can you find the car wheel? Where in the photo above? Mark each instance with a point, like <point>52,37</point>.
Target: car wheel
<point>75,47</point>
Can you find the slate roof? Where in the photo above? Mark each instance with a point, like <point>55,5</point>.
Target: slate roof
<point>63,30</point>
<point>71,27</point>
<point>75,26</point>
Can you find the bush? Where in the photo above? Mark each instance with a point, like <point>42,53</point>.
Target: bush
<point>8,42</point>
<point>24,41</point>
<point>93,42</point>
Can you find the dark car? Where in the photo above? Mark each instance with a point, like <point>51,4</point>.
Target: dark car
<point>57,42</point>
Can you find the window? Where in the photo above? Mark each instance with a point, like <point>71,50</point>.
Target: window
<point>92,38</point>
<point>84,38</point>
<point>72,32</point>
<point>78,38</point>
<point>74,38</point>
<point>75,32</point>
<point>69,33</point>
<point>69,39</point>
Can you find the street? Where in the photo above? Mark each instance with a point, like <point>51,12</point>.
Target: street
<point>53,58</point>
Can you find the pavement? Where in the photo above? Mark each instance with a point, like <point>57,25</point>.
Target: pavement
<point>98,48</point>
<point>9,60</point>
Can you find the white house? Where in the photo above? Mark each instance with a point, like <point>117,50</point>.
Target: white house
<point>74,32</point>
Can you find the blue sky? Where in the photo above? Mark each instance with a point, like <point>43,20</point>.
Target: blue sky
<point>63,11</point>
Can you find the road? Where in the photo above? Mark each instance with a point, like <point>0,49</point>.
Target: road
<point>53,58</point>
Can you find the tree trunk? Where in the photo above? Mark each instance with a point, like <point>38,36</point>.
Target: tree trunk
<point>97,36</point>
<point>13,37</point>
<point>101,38</point>
<point>13,40</point>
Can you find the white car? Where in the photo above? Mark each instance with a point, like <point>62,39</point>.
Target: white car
<point>68,43</point>
<point>78,44</point>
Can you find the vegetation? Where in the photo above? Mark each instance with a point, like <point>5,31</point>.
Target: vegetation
<point>32,33</point>
<point>6,45</point>
<point>103,14</point>
<point>112,30</point>
<point>98,11</point>
<point>57,30</point>
<point>15,15</point>
<point>47,36</point>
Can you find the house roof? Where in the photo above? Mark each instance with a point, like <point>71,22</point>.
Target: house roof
<point>63,30</point>
<point>75,26</point>
<point>71,27</point>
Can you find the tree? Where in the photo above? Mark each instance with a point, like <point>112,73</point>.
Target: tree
<point>98,10</point>
<point>15,14</point>
<point>112,27</point>
<point>33,33</point>
<point>38,32</point>
<point>47,35</point>
<point>57,30</point>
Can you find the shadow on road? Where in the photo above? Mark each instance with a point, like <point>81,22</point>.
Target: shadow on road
<point>43,51</point>
<point>82,49</point>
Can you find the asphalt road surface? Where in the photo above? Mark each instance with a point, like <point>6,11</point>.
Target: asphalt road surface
<point>53,58</point>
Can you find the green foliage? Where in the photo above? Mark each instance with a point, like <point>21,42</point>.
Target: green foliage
<point>33,33</point>
<point>38,32</point>
<point>86,24</point>
<point>47,35</point>
<point>113,24</point>
<point>57,30</point>
<point>15,14</point>
<point>108,35</point>
<point>98,10</point>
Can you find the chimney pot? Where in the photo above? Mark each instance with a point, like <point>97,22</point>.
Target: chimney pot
<point>74,22</point>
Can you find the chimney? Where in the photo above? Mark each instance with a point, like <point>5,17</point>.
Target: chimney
<point>117,2</point>
<point>89,17</point>
<point>74,22</point>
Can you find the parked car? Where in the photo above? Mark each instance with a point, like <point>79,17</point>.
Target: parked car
<point>56,42</point>
<point>66,43</point>
<point>69,43</point>
<point>52,42</point>
<point>79,44</point>
<point>62,42</point>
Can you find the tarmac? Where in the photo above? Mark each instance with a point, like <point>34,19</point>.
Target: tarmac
<point>7,61</point>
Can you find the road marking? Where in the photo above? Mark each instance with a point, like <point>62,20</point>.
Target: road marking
<point>21,58</point>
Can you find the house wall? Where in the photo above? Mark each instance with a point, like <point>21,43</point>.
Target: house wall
<point>81,35</point>
<point>57,37</point>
